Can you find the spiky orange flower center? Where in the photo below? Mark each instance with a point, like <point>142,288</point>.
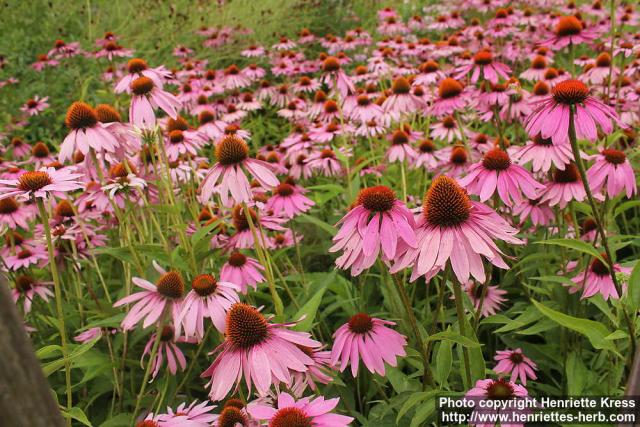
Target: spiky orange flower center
<point>237,259</point>
<point>449,122</point>
<point>136,65</point>
<point>231,150</point>
<point>516,358</point>
<point>500,390</point>
<point>8,206</point>
<point>142,85</point>
<point>205,117</point>
<point>539,63</point>
<point>539,140</point>
<point>484,57</point>
<point>568,175</point>
<point>240,221</point>
<point>284,190</point>
<point>107,114</point>
<point>449,88</point>
<point>330,107</point>
<point>331,64</point>
<point>231,417</point>
<point>33,180</point>
<point>458,155</point>
<point>290,417</point>
<point>179,123</point>
<point>401,86</point>
<point>599,267</point>
<point>360,323</point>
<point>40,150</point>
<point>176,136</point>
<point>568,26</point>
<point>167,333</point>
<point>80,116</point>
<point>204,284</point>
<point>615,157</point>
<point>171,285</point>
<point>64,209</point>
<point>429,66</point>
<point>377,199</point>
<point>446,203</point>
<point>570,92</point>
<point>246,327</point>
<point>427,146</point>
<point>541,89</point>
<point>603,60</point>
<point>496,159</point>
<point>399,137</point>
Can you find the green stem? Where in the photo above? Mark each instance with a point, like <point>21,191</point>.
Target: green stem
<point>147,372</point>
<point>58,293</point>
<point>457,291</point>
<point>599,225</point>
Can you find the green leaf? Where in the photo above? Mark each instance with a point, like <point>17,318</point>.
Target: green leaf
<point>413,400</point>
<point>455,337</point>
<point>596,332</point>
<point>202,232</point>
<point>634,287</point>
<point>51,367</point>
<point>576,374</point>
<point>443,362</point>
<point>423,412</point>
<point>400,381</point>
<point>77,414</point>
<point>121,253</point>
<point>120,420</point>
<point>626,206</point>
<point>578,245</point>
<point>309,310</point>
<point>317,222</point>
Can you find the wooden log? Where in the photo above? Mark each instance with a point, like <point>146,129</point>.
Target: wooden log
<point>26,400</point>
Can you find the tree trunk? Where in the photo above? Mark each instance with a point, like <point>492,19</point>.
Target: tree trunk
<point>25,397</point>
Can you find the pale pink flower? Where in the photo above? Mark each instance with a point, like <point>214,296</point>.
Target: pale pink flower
<point>370,339</point>
<point>515,363</point>
<point>242,271</point>
<point>308,411</point>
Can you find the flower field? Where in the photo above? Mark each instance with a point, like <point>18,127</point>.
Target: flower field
<point>321,219</point>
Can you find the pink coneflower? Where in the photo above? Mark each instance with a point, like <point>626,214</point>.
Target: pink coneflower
<point>456,160</point>
<point>26,256</point>
<point>540,213</point>
<point>207,298</point>
<point>537,69</point>
<point>612,168</point>
<point>325,160</point>
<point>494,390</point>
<point>181,141</point>
<point>232,153</point>
<point>426,157</point>
<point>194,415</point>
<point>288,201</point>
<point>14,214</point>
<point>27,288</point>
<point>111,50</point>
<point>483,64</point>
<point>244,236</point>
<point>147,96</point>
<point>378,223</point>
<point>44,61</point>
<point>261,352</point>
<point>515,363</point>
<point>335,77</point>
<point>599,72</point>
<point>35,105</point>
<point>151,303</point>
<point>565,187</point>
<point>452,227</point>
<point>542,153</point>
<point>41,155</point>
<point>137,68</point>
<point>493,297</point>
<point>364,110</point>
<point>42,183</point>
<point>551,117</point>
<point>242,271</point>
<point>305,412</point>
<point>320,371</point>
<point>234,79</point>
<point>596,279</point>
<point>253,51</point>
<point>86,133</point>
<point>430,73</point>
<point>89,335</point>
<point>367,338</point>
<point>64,50</point>
<point>447,130</point>
<point>168,348</point>
<point>402,101</point>
<point>400,149</point>
<point>569,30</point>
<point>497,172</point>
<point>451,98</point>
<point>19,148</point>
